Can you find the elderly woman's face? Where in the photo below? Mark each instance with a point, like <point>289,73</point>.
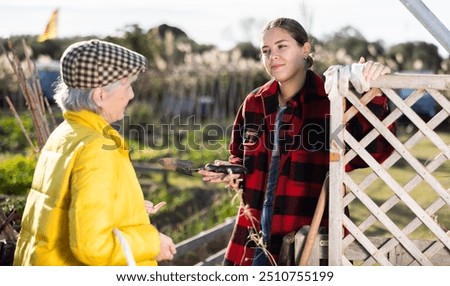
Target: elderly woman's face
<point>115,102</point>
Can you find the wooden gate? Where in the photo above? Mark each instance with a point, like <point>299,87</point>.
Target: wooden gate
<point>383,233</point>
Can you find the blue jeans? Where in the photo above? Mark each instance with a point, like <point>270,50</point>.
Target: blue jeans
<point>259,258</point>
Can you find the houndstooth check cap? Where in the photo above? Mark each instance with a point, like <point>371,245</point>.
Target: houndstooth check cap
<point>95,63</point>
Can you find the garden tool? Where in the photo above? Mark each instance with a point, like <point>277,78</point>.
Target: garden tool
<point>315,224</point>
<point>186,167</point>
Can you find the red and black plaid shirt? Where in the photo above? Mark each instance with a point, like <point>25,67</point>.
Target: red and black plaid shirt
<point>304,160</point>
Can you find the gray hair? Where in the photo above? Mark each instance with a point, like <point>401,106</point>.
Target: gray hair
<point>76,99</point>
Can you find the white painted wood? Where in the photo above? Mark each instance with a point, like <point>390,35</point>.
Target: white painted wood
<point>393,140</point>
<point>445,148</point>
<point>391,202</point>
<point>337,149</point>
<point>361,238</point>
<point>404,196</point>
<point>399,245</point>
<point>413,81</point>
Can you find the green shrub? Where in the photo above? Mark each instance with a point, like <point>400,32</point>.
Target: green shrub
<point>12,138</point>
<point>16,174</point>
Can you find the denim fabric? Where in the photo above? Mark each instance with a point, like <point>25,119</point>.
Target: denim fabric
<point>260,259</point>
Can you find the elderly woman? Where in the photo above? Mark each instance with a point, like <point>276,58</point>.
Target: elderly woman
<point>86,206</point>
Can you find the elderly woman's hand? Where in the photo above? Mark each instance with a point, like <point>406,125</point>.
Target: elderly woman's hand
<point>151,209</point>
<point>167,248</point>
<point>372,70</point>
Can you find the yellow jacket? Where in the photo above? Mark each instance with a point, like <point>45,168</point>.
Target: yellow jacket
<point>83,187</point>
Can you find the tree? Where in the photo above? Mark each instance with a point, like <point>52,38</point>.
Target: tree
<point>349,45</point>
<point>416,56</point>
<point>248,51</point>
<point>135,39</point>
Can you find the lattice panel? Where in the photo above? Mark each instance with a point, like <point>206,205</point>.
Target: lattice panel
<point>384,205</point>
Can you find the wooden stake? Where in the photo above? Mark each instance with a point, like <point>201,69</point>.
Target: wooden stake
<point>24,131</point>
<point>315,224</point>
<point>32,92</point>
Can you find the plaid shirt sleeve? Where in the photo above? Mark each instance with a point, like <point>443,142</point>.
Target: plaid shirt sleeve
<point>236,147</point>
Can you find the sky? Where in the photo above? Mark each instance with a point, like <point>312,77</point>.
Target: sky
<point>221,22</point>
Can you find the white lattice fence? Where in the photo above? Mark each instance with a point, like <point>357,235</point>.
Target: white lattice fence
<point>385,229</point>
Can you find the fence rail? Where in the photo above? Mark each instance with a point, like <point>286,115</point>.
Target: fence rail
<point>199,241</point>
<point>205,237</point>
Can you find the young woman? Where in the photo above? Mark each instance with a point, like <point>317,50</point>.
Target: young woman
<point>280,135</point>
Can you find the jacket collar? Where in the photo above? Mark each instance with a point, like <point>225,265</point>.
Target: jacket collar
<point>314,86</point>
<point>96,122</point>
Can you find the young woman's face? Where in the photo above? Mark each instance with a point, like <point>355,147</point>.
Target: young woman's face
<point>115,101</point>
<point>282,56</point>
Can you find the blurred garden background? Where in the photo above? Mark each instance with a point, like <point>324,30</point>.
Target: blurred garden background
<point>184,106</point>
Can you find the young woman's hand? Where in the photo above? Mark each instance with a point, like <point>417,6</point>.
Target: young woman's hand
<point>232,180</point>
<point>373,70</point>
